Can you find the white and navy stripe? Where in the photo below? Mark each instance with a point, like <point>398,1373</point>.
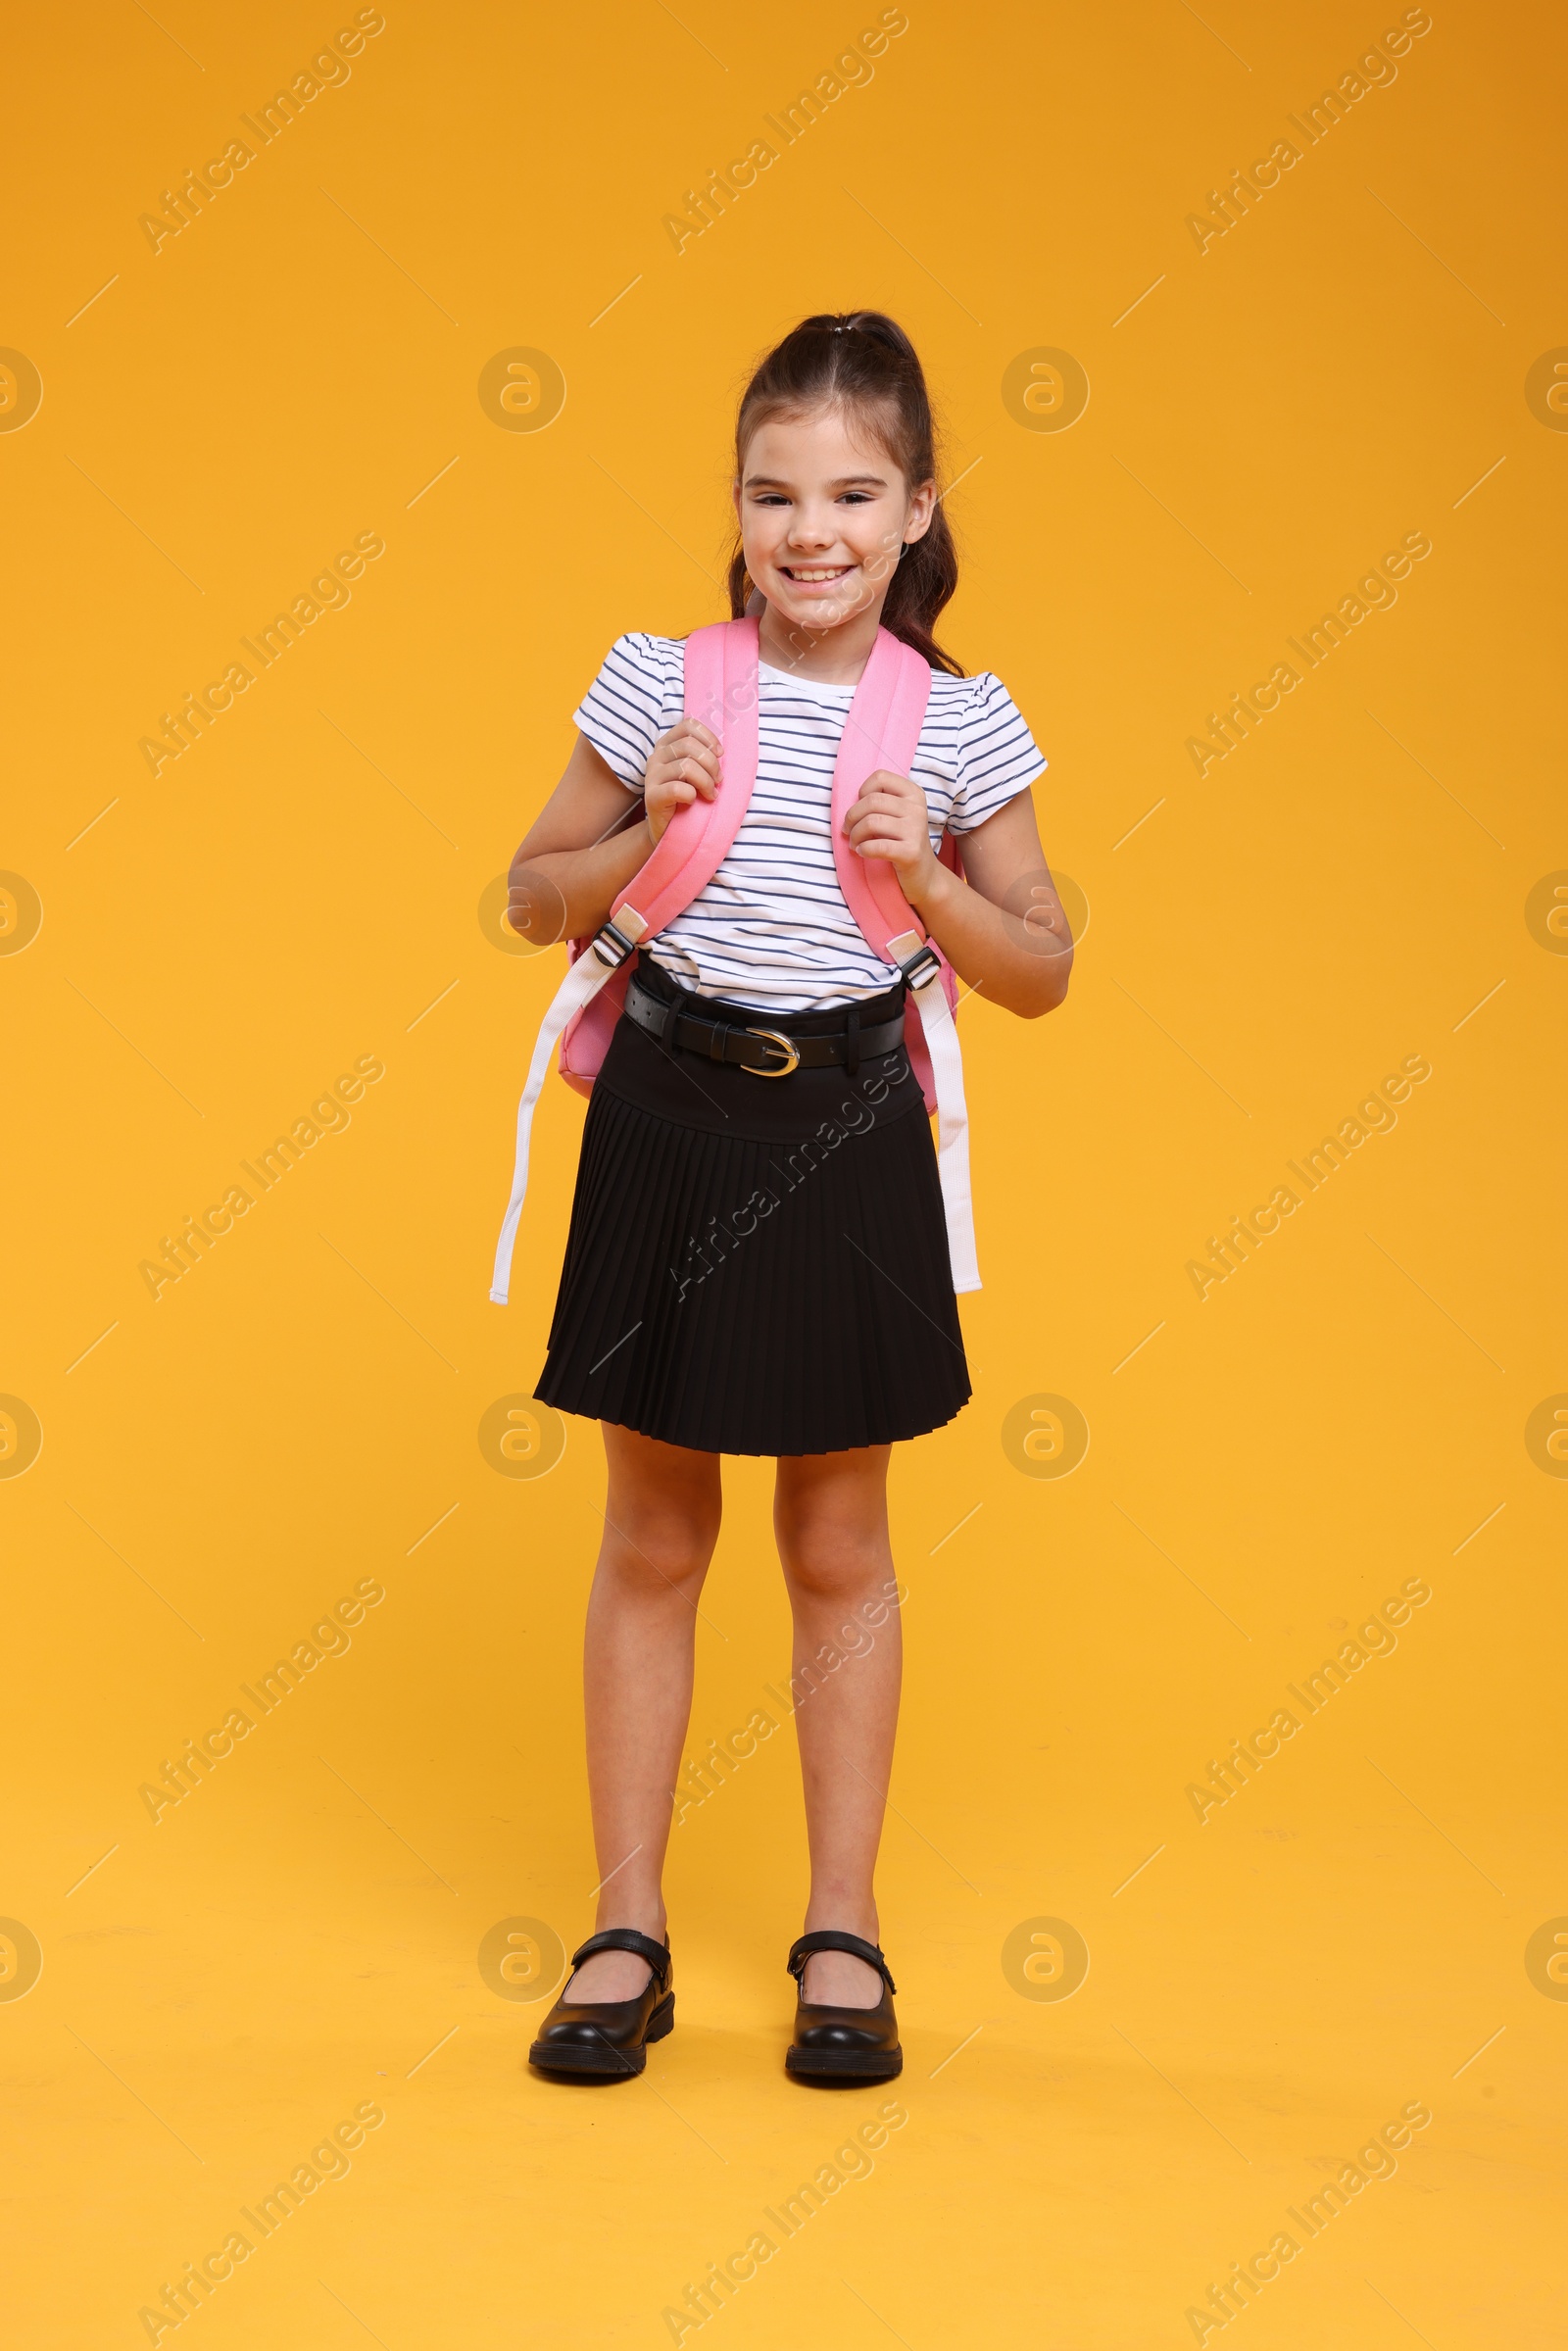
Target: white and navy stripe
<point>773,927</point>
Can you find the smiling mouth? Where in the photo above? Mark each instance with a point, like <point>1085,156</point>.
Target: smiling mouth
<point>816,575</point>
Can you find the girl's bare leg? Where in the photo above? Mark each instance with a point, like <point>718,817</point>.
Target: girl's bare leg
<point>662,1517</point>
<point>830,1517</point>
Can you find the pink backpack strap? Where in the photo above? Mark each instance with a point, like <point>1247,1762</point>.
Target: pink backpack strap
<point>883,730</point>
<point>721,690</point>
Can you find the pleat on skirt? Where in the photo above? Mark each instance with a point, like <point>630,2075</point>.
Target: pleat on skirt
<point>757,1265</point>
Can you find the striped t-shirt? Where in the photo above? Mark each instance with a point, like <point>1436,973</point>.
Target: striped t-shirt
<point>773,927</point>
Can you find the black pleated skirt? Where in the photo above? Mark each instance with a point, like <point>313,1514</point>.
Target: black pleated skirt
<point>757,1265</point>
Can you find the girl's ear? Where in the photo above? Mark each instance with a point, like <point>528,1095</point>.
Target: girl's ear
<point>922,505</point>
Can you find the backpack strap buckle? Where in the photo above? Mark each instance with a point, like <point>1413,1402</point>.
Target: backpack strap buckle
<point>917,959</point>
<point>613,941</point>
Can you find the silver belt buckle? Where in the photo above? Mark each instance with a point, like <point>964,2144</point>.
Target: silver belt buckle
<point>785,1045</point>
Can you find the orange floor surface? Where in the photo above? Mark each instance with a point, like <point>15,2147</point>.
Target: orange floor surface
<point>361,378</point>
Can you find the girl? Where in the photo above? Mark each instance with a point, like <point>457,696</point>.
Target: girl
<point>764,1268</point>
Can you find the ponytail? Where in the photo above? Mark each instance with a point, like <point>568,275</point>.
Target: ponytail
<point>863,361</point>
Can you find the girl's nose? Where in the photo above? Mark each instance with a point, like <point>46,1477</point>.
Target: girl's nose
<point>813,530</point>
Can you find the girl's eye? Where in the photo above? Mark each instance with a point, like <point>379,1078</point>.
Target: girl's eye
<point>857,498</point>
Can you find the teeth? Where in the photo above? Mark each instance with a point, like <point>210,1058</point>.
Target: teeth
<point>837,573</point>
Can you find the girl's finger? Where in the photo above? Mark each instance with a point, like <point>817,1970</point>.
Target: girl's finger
<point>695,757</point>
<point>687,736</point>
<point>685,771</point>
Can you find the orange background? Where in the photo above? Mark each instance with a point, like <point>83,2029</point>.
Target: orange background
<point>300,1412</point>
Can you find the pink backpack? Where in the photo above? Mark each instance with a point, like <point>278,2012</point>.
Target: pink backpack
<point>882,730</point>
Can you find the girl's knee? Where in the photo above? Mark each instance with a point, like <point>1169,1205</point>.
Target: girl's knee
<point>661,1543</point>
<point>832,1553</point>
<point>830,1514</point>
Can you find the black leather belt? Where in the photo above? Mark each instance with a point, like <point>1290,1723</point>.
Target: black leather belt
<point>765,1052</point>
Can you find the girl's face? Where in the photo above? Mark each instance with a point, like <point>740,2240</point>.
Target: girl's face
<point>823,514</point>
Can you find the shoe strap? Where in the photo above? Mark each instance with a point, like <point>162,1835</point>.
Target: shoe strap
<point>627,1938</point>
<point>830,1939</point>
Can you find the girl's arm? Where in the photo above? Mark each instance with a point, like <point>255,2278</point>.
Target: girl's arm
<point>1002,925</point>
<point>591,836</point>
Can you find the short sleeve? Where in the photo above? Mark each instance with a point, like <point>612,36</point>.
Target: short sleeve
<point>998,756</point>
<point>628,705</point>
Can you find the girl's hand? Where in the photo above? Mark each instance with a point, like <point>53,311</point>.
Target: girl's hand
<point>890,820</point>
<point>683,767</point>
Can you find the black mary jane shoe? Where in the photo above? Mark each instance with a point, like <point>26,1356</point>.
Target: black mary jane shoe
<point>843,2044</point>
<point>609,2038</point>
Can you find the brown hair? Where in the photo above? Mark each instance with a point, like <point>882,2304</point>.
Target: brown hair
<point>862,362</point>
